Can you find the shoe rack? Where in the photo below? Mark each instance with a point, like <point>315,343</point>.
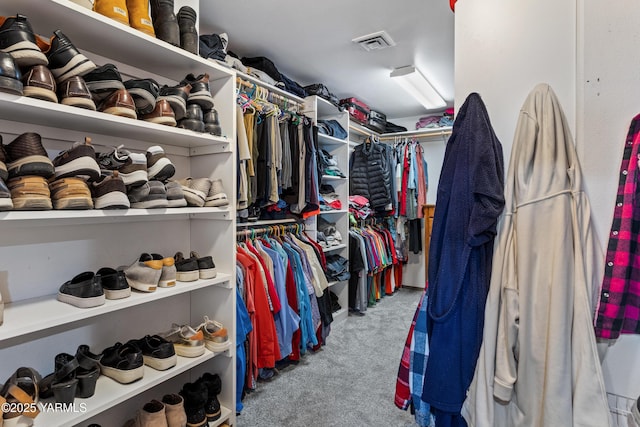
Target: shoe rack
<point>320,109</point>
<point>40,250</point>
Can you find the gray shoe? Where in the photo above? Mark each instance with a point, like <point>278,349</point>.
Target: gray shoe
<point>144,274</point>
<point>186,341</point>
<point>168,276</point>
<point>216,196</point>
<point>156,198</point>
<point>195,190</point>
<point>175,194</point>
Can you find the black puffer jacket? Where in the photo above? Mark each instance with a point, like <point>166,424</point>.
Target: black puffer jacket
<point>370,174</point>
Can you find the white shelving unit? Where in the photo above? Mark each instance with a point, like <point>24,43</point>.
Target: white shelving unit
<point>42,250</point>
<point>320,109</point>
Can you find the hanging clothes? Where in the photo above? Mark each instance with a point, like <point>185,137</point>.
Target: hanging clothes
<point>618,302</point>
<point>539,354</point>
<point>470,200</point>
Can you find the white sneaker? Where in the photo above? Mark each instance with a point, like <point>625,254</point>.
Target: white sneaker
<point>216,337</point>
<point>216,196</point>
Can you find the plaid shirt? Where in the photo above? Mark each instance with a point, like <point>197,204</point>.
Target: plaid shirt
<point>619,303</point>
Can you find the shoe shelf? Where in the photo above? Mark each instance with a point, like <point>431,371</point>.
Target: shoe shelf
<point>39,112</point>
<point>109,393</point>
<point>96,33</point>
<point>331,140</point>
<point>37,314</point>
<point>113,215</point>
<point>334,248</point>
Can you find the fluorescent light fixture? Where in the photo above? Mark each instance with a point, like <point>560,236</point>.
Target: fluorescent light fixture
<point>416,84</point>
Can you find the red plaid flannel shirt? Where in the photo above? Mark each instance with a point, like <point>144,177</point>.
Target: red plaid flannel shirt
<point>619,304</point>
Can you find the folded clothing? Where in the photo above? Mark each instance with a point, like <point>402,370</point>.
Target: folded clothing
<point>212,46</point>
<point>359,206</point>
<point>332,128</point>
<point>337,268</point>
<point>329,198</point>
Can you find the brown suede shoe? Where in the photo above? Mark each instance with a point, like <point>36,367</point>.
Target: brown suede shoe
<point>70,193</point>
<point>74,91</point>
<point>174,410</point>
<point>162,114</point>
<point>30,193</point>
<point>39,83</point>
<point>119,103</point>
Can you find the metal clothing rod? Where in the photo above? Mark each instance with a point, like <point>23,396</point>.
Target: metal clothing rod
<point>272,229</point>
<point>273,96</point>
<point>409,134</point>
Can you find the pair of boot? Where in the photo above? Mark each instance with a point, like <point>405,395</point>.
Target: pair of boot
<point>168,413</point>
<point>163,23</point>
<point>134,13</point>
<point>201,399</point>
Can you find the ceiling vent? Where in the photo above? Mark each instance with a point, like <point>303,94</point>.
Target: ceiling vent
<point>375,41</point>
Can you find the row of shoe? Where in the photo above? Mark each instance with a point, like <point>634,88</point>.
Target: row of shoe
<point>176,29</point>
<point>197,404</point>
<point>78,178</point>
<point>145,274</point>
<point>73,79</point>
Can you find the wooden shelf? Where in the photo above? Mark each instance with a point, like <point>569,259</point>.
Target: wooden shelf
<point>35,111</point>
<point>37,314</point>
<point>109,393</point>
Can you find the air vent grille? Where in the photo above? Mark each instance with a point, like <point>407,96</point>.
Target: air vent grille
<point>375,41</point>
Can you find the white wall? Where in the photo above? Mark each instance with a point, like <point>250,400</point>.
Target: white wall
<point>608,84</point>
<point>584,50</point>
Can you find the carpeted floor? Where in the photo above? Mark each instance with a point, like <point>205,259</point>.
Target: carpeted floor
<point>350,382</point>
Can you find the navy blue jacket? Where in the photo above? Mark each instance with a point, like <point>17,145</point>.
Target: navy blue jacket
<point>469,201</point>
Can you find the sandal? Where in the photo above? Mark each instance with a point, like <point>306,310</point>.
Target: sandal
<point>62,384</point>
<point>88,371</point>
<point>21,389</point>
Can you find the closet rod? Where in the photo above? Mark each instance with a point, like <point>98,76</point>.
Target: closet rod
<point>408,134</point>
<point>271,229</point>
<point>250,81</point>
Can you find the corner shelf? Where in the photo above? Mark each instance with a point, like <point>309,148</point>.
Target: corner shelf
<point>37,314</point>
<point>334,248</point>
<point>110,393</point>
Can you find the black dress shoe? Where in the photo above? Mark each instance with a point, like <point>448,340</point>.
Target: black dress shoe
<point>177,97</point>
<point>194,119</point>
<point>10,75</point>
<point>200,93</point>
<point>18,39</point>
<point>211,123</point>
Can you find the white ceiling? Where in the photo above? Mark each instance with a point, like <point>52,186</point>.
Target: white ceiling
<point>310,42</point>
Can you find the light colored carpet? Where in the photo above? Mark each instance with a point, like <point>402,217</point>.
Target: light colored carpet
<point>350,382</point>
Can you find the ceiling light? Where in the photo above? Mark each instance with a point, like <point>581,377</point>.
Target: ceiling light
<point>416,84</point>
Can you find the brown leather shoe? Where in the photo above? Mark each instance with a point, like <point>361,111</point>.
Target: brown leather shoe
<point>119,103</point>
<point>28,157</point>
<point>70,193</point>
<point>74,91</point>
<point>39,83</point>
<point>30,193</point>
<point>162,114</point>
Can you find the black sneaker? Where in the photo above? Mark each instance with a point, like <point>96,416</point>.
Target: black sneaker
<point>206,266</point>
<point>157,352</point>
<point>177,97</point>
<point>109,192</point>
<point>18,39</point>
<point>194,119</point>
<point>103,81</point>
<point>186,269</point>
<point>144,93</point>
<point>65,61</point>
<point>79,161</point>
<point>82,291</point>
<point>114,283</point>
<point>200,93</point>
<point>122,362</point>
